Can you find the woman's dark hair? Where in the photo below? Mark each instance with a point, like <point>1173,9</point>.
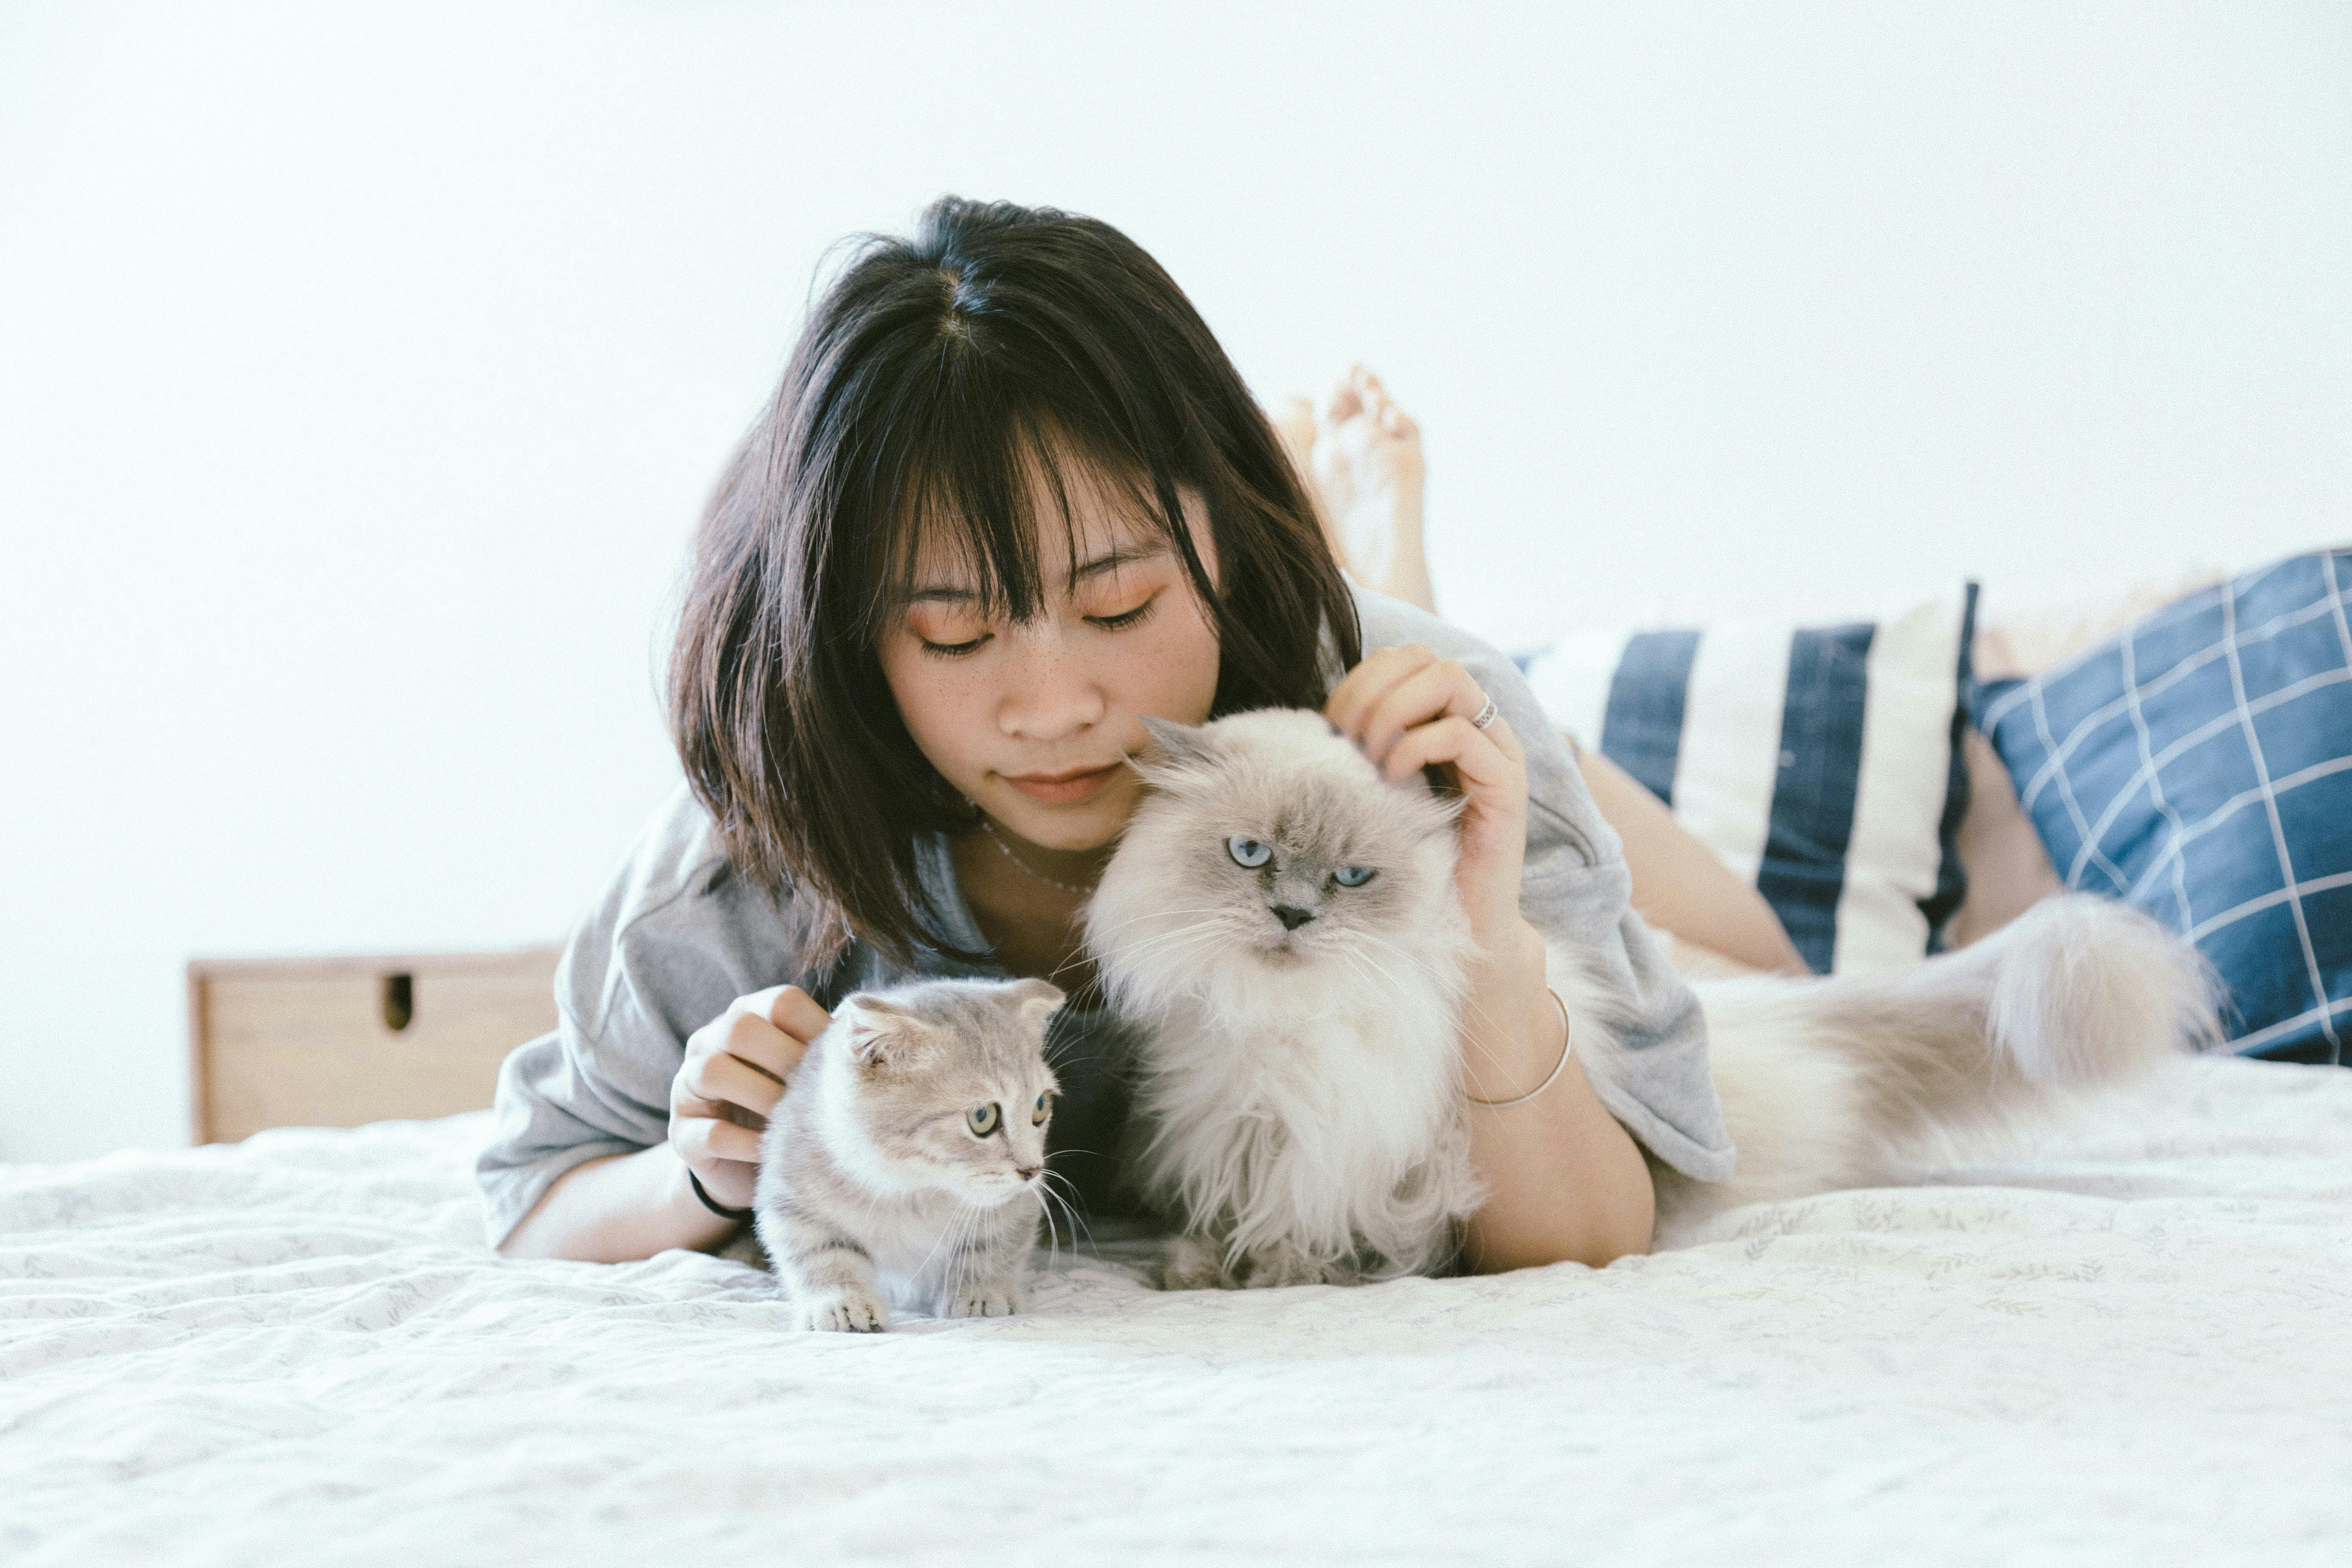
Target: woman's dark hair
<point>938,379</point>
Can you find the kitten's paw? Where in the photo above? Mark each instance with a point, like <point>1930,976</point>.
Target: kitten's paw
<point>1194,1264</point>
<point>847,1310</point>
<point>986,1301</point>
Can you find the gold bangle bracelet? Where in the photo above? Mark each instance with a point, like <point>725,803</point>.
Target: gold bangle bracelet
<point>1566,1029</point>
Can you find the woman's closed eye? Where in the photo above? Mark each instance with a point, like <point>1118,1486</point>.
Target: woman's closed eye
<point>952,649</point>
<point>1123,619</point>
<point>941,643</point>
<point>948,630</point>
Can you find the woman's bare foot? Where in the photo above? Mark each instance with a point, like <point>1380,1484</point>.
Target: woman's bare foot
<point>1294,421</point>
<point>1368,479</point>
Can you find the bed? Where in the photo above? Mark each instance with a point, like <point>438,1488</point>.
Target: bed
<point>2122,1342</point>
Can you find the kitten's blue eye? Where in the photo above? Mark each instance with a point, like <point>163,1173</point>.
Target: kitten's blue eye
<point>1352,876</point>
<point>982,1118</point>
<point>1248,852</point>
<point>1037,1117</point>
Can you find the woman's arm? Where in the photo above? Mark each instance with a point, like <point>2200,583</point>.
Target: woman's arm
<point>1565,1180</point>
<point>617,1209</point>
<point>1678,884</point>
<point>621,1207</point>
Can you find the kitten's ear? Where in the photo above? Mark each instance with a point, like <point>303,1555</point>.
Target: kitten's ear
<point>1036,1000</point>
<point>1179,744</point>
<point>879,1030</point>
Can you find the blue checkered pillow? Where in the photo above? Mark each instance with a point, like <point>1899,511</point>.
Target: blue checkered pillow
<point>2200,767</point>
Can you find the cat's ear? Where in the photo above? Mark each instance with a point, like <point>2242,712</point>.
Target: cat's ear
<point>1036,1000</point>
<point>879,1030</point>
<point>1179,744</point>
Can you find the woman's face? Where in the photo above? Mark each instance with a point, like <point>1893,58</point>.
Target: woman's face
<point>1032,721</point>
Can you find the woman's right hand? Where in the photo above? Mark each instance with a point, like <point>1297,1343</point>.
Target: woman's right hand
<point>735,1070</point>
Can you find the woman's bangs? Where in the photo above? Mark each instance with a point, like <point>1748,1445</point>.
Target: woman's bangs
<point>977,500</point>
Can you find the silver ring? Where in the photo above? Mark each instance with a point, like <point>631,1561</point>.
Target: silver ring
<point>1485,714</point>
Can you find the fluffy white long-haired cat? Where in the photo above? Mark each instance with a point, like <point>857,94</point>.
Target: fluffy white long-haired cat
<point>1284,925</point>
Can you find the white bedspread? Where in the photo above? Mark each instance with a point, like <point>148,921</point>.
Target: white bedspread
<point>2134,1343</point>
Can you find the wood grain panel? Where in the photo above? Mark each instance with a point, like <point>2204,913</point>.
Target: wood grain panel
<point>311,1042</point>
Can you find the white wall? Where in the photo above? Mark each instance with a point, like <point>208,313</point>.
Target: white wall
<point>361,372</point>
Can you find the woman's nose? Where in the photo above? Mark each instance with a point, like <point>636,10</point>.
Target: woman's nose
<point>1049,691</point>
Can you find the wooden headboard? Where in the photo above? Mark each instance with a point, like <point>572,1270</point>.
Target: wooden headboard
<point>336,1042</point>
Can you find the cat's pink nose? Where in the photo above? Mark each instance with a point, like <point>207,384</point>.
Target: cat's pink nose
<point>1027,1172</point>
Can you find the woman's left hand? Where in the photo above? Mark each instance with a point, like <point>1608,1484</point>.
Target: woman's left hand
<point>1407,709</point>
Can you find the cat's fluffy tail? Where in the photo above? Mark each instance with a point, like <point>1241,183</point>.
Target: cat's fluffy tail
<point>1837,1083</point>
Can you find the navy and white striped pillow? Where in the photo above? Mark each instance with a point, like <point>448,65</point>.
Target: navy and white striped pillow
<point>1820,763</point>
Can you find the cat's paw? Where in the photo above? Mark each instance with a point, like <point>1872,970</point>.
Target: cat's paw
<point>994,1301</point>
<point>1194,1264</point>
<point>1274,1268</point>
<point>846,1310</point>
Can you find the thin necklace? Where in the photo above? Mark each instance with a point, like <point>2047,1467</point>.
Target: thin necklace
<point>996,839</point>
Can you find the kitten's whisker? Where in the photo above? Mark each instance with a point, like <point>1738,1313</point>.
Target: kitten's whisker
<point>935,1245</point>
<point>1078,1222</point>
<point>1053,1232</point>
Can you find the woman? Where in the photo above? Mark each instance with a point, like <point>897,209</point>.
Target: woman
<point>1010,499</point>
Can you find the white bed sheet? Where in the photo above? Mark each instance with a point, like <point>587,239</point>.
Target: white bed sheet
<point>2133,1343</point>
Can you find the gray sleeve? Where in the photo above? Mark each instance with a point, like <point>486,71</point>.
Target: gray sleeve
<point>672,941</point>
<point>1577,891</point>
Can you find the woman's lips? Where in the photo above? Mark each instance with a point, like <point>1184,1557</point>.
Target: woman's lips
<point>1061,789</point>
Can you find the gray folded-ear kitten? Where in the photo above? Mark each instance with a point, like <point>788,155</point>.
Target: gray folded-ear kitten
<point>1283,924</point>
<point>906,1162</point>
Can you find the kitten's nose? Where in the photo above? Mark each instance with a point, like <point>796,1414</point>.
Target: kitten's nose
<point>1027,1172</point>
<point>1291,916</point>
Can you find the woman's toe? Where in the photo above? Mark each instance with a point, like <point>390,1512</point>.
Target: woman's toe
<point>1341,403</point>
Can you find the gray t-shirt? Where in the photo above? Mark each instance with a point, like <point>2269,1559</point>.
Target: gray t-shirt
<point>678,936</point>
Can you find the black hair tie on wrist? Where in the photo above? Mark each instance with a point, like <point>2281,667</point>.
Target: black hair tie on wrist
<point>713,1205</point>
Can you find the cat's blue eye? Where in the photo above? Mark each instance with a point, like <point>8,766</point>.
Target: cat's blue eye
<point>1248,852</point>
<point>1037,1117</point>
<point>1352,876</point>
<point>982,1118</point>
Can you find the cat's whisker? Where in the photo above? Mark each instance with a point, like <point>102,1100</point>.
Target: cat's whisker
<point>1113,927</point>
<point>1221,925</point>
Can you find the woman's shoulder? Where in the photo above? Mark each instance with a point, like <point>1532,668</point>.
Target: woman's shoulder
<point>676,934</point>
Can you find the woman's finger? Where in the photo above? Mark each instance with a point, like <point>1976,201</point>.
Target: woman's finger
<point>1433,691</point>
<point>754,1040</point>
<point>1363,686</point>
<point>712,1138</point>
<point>1480,764</point>
<point>721,1076</point>
<point>789,1009</point>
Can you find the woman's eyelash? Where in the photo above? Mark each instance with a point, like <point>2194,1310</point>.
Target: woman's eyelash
<point>1117,623</point>
<point>1126,619</point>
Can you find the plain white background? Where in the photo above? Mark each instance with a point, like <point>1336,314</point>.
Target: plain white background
<point>362,371</point>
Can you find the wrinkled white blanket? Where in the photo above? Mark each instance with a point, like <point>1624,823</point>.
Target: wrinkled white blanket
<point>2132,1343</point>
